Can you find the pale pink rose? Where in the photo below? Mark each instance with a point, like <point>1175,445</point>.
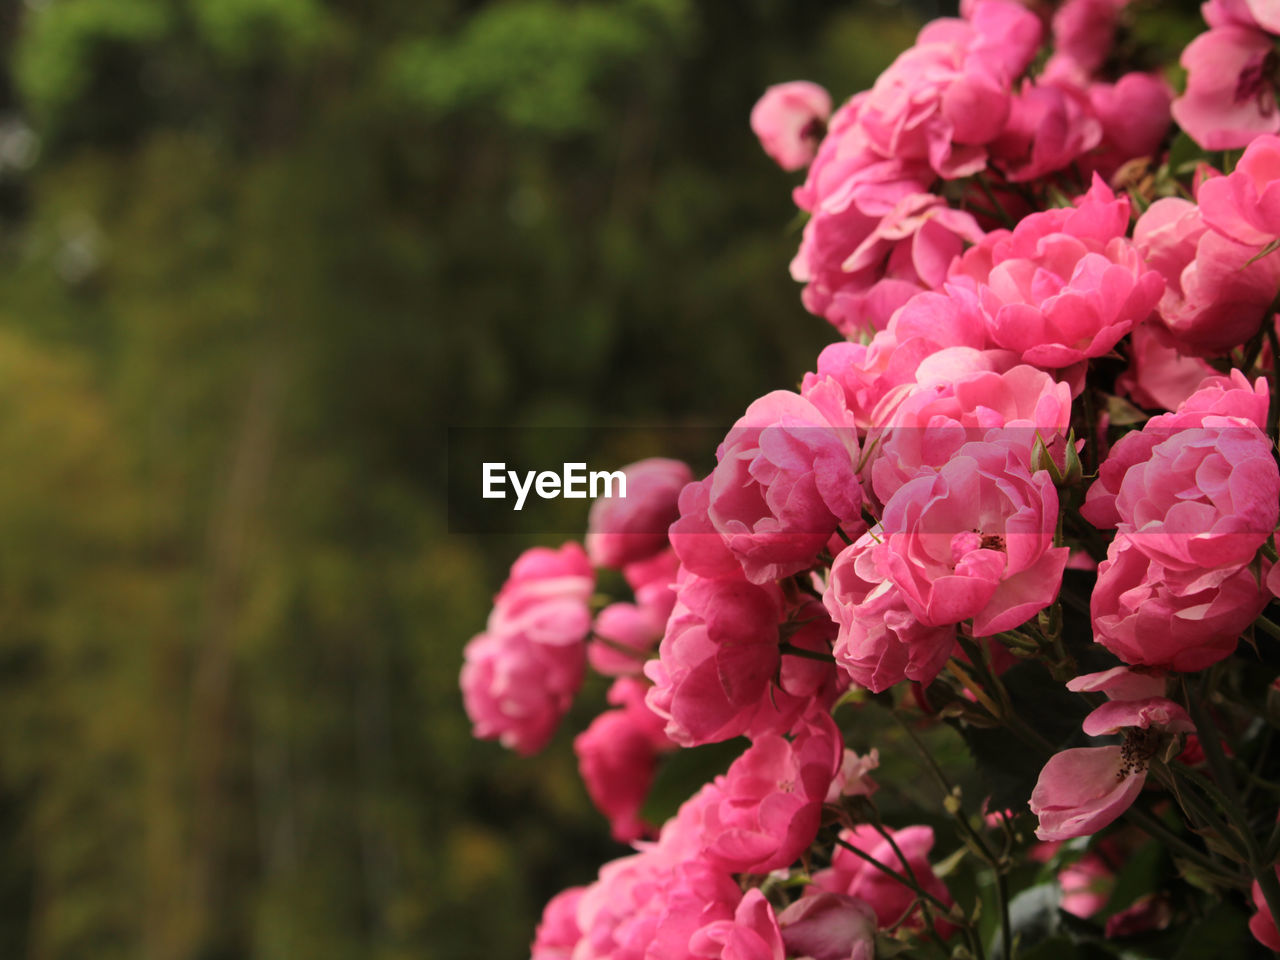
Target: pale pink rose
<point>752,934</point>
<point>1151,616</point>
<point>717,658</point>
<point>1082,790</point>
<point>1245,204</point>
<point>947,96</point>
<point>1224,13</point>
<point>520,675</point>
<point>1065,284</point>
<point>1230,97</point>
<point>1263,924</point>
<point>880,641</point>
<point>769,804</point>
<point>932,422</point>
<point>1086,885</point>
<point>558,932</point>
<point>1050,126</point>
<point>786,479</point>
<point>1159,376</point>
<point>1135,116</point>
<point>790,120</point>
<point>1121,683</point>
<point>829,926</point>
<point>1221,397</point>
<point>853,779</point>
<point>617,757</point>
<point>1265,13</point>
<point>1083,33</point>
<point>623,530</point>
<point>1215,298</point>
<point>851,875</point>
<point>974,539</point>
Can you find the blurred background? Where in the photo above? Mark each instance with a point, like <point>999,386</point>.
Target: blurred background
<point>255,257</point>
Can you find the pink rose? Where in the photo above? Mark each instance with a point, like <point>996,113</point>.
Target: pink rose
<point>1082,790</point>
<point>1135,116</point>
<point>1205,498</point>
<point>947,96</point>
<point>624,635</point>
<point>853,779</point>
<point>790,120</point>
<point>1086,885</point>
<point>851,875</point>
<point>767,807</point>
<point>558,933</point>
<point>1083,33</point>
<point>1065,284</point>
<point>520,675</point>
<point>1266,15</point>
<point>617,757</point>
<point>1159,376</point>
<point>1263,924</point>
<point>1215,298</point>
<point>829,926</point>
<point>1230,97</point>
<point>752,934</point>
<point>786,479</point>
<point>1146,614</point>
<point>1245,204</point>
<point>1049,127</point>
<point>880,642</point>
<point>974,539</point>
<point>1217,397</point>
<point>623,530</point>
<point>931,422</point>
<point>695,540</point>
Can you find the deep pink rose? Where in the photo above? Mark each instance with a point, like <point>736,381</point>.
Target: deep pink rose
<point>851,875</point>
<point>1050,126</point>
<point>520,675</point>
<point>1082,790</point>
<point>974,539</point>
<point>623,530</point>
<point>1159,376</point>
<point>880,642</point>
<point>790,120</point>
<point>1065,284</point>
<point>1135,116</point>
<point>1215,298</point>
<point>717,658</point>
<point>1149,615</point>
<point>1245,204</point>
<point>768,805</point>
<point>558,933</point>
<point>752,934</point>
<point>695,540</point>
<point>617,757</point>
<point>1230,97</point>
<point>829,926</point>
<point>785,479</point>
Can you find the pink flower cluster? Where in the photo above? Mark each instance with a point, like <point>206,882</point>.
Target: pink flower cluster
<point>1048,439</point>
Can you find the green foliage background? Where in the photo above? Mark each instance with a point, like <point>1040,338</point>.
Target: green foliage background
<point>255,257</point>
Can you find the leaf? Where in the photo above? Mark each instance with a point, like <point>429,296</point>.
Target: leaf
<point>1122,413</point>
